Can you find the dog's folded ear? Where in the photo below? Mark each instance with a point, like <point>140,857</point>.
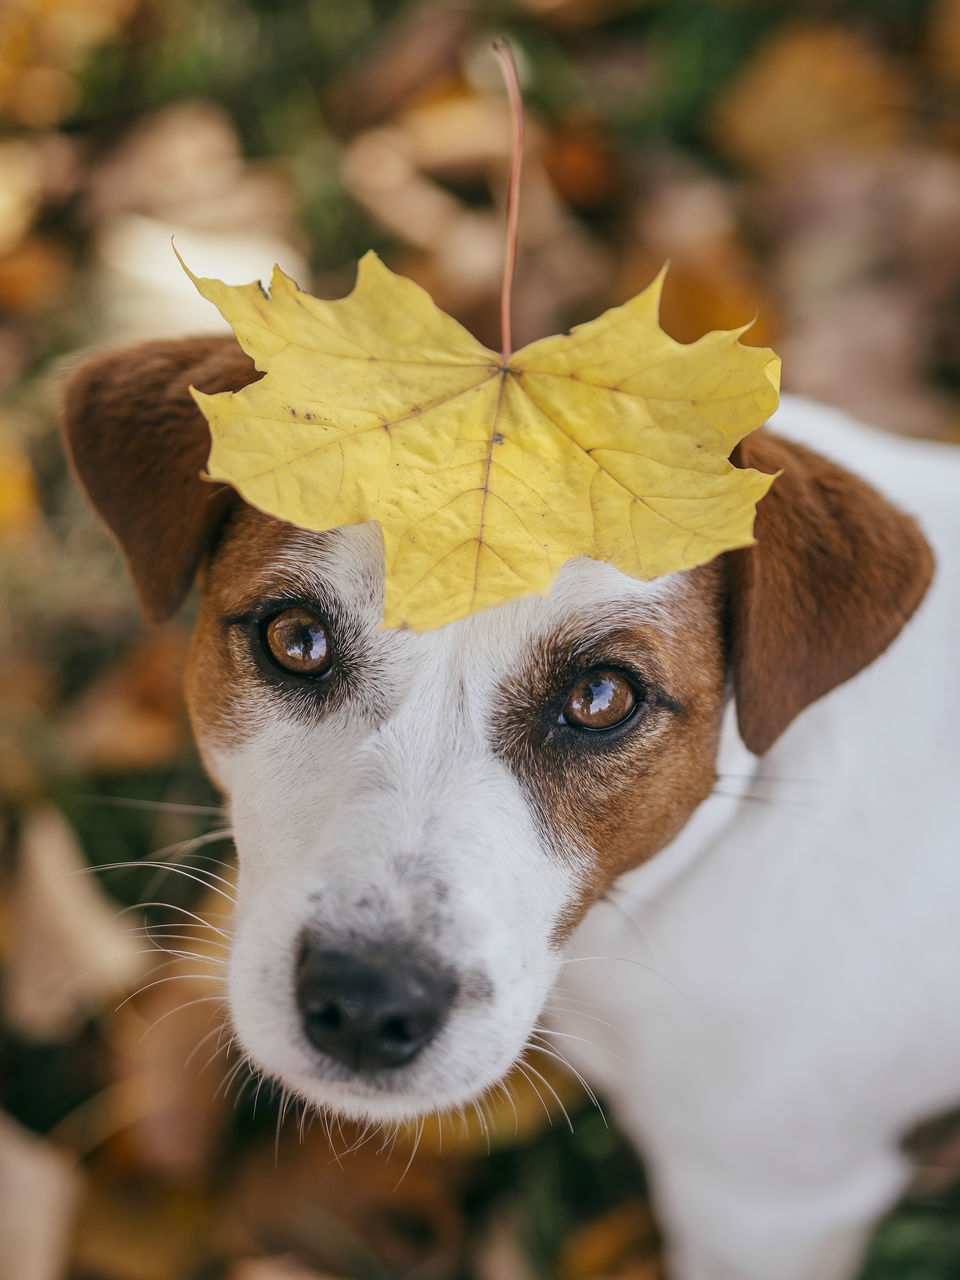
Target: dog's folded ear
<point>835,574</point>
<point>138,444</point>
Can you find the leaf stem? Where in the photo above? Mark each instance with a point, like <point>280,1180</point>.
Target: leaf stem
<point>508,66</point>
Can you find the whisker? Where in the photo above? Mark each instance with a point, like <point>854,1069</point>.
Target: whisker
<point>173,906</point>
<point>188,1004</point>
<point>556,1095</point>
<point>484,1125</point>
<point>191,873</point>
<point>173,977</point>
<point>159,934</point>
<point>256,1096</point>
<point>564,1061</point>
<point>784,805</point>
<point>281,1111</point>
<point>174,952</point>
<point>248,1081</point>
<point>413,1153</point>
<point>502,1087</point>
<point>175,854</point>
<point>393,1140</point>
<point>561,1004</point>
<point>366,1133</point>
<point>626,960</point>
<point>214,1031</point>
<point>520,1065</point>
<point>229,1076</point>
<point>161,806</point>
<point>771,777</point>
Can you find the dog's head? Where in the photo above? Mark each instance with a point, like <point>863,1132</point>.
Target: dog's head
<point>421,818</point>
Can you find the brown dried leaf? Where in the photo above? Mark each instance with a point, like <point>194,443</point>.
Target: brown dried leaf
<point>420,50</point>
<point>344,1210</point>
<point>39,1189</point>
<point>34,276</point>
<point>943,38</point>
<point>133,716</point>
<point>608,1246</point>
<point>69,952</point>
<point>184,165</point>
<point>131,1229</point>
<point>275,1269</point>
<point>20,191</point>
<point>500,1254</point>
<point>19,511</point>
<point>811,86</point>
<point>164,1040</point>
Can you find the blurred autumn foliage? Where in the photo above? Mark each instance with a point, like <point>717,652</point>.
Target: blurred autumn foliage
<point>798,163</point>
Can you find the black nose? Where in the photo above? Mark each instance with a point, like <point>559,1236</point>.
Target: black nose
<point>370,1010</point>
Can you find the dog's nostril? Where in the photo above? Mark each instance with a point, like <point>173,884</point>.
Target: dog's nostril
<point>372,1010</point>
<point>397,1031</point>
<point>327,1016</point>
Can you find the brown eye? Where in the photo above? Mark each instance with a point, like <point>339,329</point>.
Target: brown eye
<point>299,641</point>
<point>600,700</point>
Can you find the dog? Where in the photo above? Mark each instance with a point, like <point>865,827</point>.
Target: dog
<point>706,826</point>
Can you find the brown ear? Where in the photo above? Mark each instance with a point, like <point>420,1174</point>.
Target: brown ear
<point>835,573</point>
<point>138,443</point>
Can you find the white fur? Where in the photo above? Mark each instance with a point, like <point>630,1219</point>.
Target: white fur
<point>798,1010</point>
<point>782,979</point>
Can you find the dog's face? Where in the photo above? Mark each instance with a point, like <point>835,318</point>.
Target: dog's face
<point>427,814</point>
<point>421,818</point>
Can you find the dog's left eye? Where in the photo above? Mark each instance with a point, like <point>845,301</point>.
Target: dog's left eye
<point>299,641</point>
<point>599,700</point>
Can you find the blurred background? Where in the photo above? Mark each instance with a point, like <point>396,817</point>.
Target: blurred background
<point>797,162</point>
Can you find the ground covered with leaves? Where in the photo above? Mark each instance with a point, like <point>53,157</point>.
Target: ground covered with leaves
<point>797,162</point>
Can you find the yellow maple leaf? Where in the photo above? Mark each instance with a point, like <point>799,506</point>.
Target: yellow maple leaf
<point>611,441</point>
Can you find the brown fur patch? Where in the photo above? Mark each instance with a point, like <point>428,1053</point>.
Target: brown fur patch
<point>138,444</point>
<point>625,795</point>
<point>222,682</point>
<point>835,574</point>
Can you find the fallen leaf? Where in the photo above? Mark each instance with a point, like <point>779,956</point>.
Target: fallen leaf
<point>354,1207</point>
<point>39,1189</point>
<point>34,276</point>
<point>610,441</point>
<point>133,716</point>
<point>811,86</point>
<point>69,951</point>
<point>274,1269</point>
<point>129,1228</point>
<point>20,191</point>
<point>164,1041</point>
<point>19,511</point>
<point>580,159</point>
<point>622,1237</point>
<point>690,220</point>
<point>419,50</point>
<point>500,1254</point>
<point>944,38</point>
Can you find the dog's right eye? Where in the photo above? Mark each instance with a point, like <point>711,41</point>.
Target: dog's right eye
<point>299,641</point>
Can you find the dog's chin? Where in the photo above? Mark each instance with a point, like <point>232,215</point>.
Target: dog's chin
<point>393,1096</point>
<point>361,1105</point>
<point>450,1073</point>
